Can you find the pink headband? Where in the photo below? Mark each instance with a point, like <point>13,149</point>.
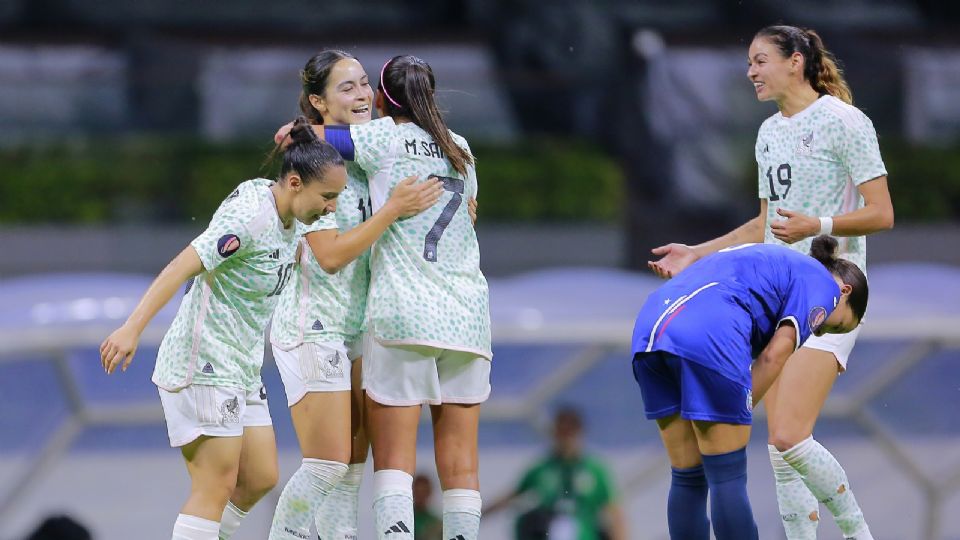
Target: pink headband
<point>383,85</point>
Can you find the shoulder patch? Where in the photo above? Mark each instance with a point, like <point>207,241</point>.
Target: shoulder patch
<point>227,245</point>
<point>816,317</point>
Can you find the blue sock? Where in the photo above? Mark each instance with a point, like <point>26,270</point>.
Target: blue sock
<point>687,505</point>
<point>729,504</point>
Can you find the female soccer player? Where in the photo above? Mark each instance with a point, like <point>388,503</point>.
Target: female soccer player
<point>428,319</point>
<point>319,319</point>
<point>820,172</point>
<point>695,375</point>
<point>208,365</point>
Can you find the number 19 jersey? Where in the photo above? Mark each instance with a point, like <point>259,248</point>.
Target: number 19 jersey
<point>216,337</point>
<point>426,285</point>
<point>813,162</point>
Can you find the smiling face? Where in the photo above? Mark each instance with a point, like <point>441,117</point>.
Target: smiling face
<point>772,75</point>
<point>348,97</point>
<point>311,200</point>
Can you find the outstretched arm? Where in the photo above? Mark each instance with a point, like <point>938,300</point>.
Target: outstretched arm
<point>118,349</point>
<point>675,257</point>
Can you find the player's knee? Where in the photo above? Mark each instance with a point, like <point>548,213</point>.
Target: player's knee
<point>784,439</point>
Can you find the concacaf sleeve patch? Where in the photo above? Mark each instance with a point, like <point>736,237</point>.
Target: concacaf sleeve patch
<point>228,244</point>
<point>816,318</point>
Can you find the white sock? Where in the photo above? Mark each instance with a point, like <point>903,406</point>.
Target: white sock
<point>303,496</point>
<point>799,509</point>
<point>824,476</point>
<point>230,521</point>
<point>393,504</point>
<point>190,527</point>
<point>337,518</point>
<point>461,514</point>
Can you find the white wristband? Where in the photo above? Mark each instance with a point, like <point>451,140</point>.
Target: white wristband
<point>826,225</point>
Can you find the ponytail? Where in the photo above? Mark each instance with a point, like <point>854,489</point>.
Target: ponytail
<point>820,66</point>
<point>305,153</point>
<point>408,85</point>
<point>824,249</point>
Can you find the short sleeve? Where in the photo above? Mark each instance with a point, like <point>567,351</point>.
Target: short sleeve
<point>810,299</point>
<point>227,236</point>
<point>859,150</point>
<point>371,143</point>
<point>763,188</point>
<point>325,223</point>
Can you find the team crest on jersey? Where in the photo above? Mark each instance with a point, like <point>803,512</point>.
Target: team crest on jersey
<point>332,365</point>
<point>230,411</point>
<point>805,146</point>
<point>816,317</point>
<point>227,245</point>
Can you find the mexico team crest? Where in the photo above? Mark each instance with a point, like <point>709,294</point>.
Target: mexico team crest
<point>230,411</point>
<point>816,317</point>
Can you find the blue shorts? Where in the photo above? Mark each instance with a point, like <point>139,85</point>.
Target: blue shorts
<point>670,384</point>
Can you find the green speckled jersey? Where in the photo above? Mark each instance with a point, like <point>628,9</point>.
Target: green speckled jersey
<point>426,286</point>
<point>322,307</point>
<point>813,162</point>
<point>248,258</point>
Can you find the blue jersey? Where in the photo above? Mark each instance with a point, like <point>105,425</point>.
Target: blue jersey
<point>724,309</point>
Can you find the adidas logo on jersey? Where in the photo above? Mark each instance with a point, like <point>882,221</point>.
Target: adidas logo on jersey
<point>398,527</point>
<point>317,325</point>
<point>233,195</point>
<point>275,254</point>
<point>208,368</point>
<point>458,537</point>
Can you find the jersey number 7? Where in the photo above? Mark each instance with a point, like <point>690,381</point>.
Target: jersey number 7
<point>454,185</point>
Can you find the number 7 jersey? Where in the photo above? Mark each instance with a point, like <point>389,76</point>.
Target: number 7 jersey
<point>813,162</point>
<point>426,286</point>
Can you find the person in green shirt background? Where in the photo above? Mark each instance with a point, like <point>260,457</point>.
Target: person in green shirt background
<point>567,495</point>
<point>426,524</point>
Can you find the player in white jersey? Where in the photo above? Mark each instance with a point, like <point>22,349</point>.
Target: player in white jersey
<point>317,326</point>
<point>428,318</point>
<point>208,365</point>
<point>820,172</point>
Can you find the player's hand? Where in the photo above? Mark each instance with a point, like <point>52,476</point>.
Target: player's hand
<point>673,259</point>
<point>795,227</point>
<point>118,349</point>
<point>280,137</point>
<point>409,197</point>
<point>472,209</point>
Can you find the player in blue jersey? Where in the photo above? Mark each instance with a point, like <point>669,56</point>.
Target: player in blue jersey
<point>820,172</point>
<point>208,366</point>
<point>694,343</point>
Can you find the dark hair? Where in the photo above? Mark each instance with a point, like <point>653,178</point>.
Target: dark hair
<point>408,86</point>
<point>569,415</point>
<point>313,79</point>
<point>308,155</point>
<point>60,528</point>
<point>820,67</point>
<point>824,249</point>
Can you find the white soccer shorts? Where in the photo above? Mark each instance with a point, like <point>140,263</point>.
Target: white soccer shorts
<point>838,344</point>
<point>313,367</point>
<point>215,411</point>
<point>416,374</point>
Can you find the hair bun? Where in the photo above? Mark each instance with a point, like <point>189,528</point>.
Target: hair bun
<point>824,248</point>
<point>302,132</point>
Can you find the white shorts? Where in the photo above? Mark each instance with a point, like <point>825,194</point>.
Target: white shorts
<point>215,411</point>
<point>839,344</point>
<point>355,347</point>
<point>416,374</point>
<point>313,367</point>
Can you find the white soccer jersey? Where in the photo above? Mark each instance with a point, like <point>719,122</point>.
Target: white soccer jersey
<point>426,286</point>
<point>248,258</point>
<point>321,307</point>
<point>813,161</point>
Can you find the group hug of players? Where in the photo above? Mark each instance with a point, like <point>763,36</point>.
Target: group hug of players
<point>363,255</point>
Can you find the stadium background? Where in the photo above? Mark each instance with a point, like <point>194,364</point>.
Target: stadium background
<point>602,128</point>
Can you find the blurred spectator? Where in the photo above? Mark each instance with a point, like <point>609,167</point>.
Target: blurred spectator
<point>60,528</point>
<point>567,495</point>
<point>426,524</point>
